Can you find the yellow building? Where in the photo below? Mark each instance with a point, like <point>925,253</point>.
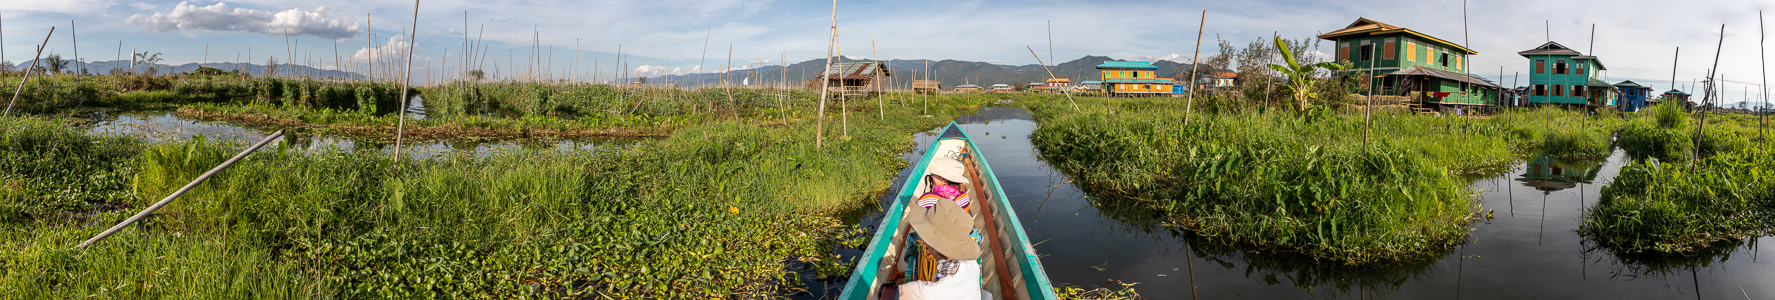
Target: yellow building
<point>1133,78</point>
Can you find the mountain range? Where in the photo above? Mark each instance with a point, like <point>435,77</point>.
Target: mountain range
<point>104,67</point>
<point>949,72</point>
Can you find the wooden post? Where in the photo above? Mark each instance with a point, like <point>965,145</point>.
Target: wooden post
<point>1195,60</point>
<point>1038,59</point>
<point>880,113</point>
<point>725,84</point>
<point>21,82</point>
<point>826,83</point>
<point>1762,53</point>
<point>1711,87</point>
<point>75,35</point>
<point>406,80</point>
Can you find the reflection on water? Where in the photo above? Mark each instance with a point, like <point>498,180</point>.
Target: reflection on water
<point>1528,250</point>
<point>164,127</point>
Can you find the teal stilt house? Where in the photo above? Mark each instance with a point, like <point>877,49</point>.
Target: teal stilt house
<point>1430,72</point>
<point>1561,76</point>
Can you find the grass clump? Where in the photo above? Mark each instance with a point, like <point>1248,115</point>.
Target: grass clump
<point>49,169</point>
<point>1668,207</point>
<point>1277,182</point>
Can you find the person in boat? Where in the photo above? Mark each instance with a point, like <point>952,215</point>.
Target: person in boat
<point>947,242</point>
<point>947,181</point>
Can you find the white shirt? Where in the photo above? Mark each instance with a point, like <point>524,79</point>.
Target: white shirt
<point>965,284</point>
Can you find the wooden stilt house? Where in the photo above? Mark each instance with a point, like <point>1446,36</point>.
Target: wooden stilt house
<point>854,78</point>
<point>1431,72</point>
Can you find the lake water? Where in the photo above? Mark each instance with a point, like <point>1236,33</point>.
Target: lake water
<point>1529,249</point>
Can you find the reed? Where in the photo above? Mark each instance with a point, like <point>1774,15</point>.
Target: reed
<point>1675,207</point>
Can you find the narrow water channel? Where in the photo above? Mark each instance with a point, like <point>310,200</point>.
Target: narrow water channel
<point>1529,249</point>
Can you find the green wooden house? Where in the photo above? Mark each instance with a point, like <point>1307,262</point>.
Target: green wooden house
<point>1561,76</point>
<point>1395,60</point>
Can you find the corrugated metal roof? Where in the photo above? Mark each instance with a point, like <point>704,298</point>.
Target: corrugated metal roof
<point>1120,64</point>
<point>1372,27</point>
<point>1422,71</point>
<point>1630,83</point>
<point>1550,48</point>
<point>855,70</point>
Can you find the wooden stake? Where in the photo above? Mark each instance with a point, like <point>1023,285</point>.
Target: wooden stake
<point>1763,54</point>
<point>1711,88</point>
<point>1038,59</point>
<point>1195,60</point>
<point>75,34</point>
<point>880,112</point>
<point>406,80</point>
<point>28,71</point>
<point>825,81</point>
<point>731,104</point>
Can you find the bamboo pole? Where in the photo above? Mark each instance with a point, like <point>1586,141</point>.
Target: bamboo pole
<point>826,83</point>
<point>28,71</point>
<point>1038,59</point>
<point>880,111</point>
<point>181,191</point>
<point>725,83</point>
<point>1762,53</point>
<point>1195,60</point>
<point>406,81</point>
<point>75,34</point>
<point>1711,88</point>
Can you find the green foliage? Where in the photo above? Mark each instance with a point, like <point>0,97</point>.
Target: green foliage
<point>1304,80</point>
<point>1280,182</point>
<point>1668,207</point>
<point>53,170</point>
<point>1670,115</point>
<point>1077,293</point>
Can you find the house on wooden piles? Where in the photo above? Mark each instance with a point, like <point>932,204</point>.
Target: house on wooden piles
<point>1431,72</point>
<point>1631,96</point>
<point>854,78</point>
<point>1133,78</point>
<point>1561,76</point>
<point>967,88</point>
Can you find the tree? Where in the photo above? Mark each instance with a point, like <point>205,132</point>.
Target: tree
<point>271,67</point>
<point>1303,80</point>
<point>476,74</point>
<point>148,59</point>
<point>55,63</point>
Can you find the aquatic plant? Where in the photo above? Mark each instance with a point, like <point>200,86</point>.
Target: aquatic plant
<point>1678,207</point>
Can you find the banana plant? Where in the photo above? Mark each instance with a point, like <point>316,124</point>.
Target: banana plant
<point>1303,81</point>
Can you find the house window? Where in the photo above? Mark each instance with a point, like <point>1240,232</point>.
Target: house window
<point>1559,90</point>
<point>1149,86</point>
<point>1540,90</point>
<point>1343,51</point>
<point>1390,48</point>
<point>1540,66</point>
<point>1580,69</point>
<point>1411,51</point>
<point>1559,67</point>
<point>1444,60</point>
<point>1367,52</point>
<point>1577,91</point>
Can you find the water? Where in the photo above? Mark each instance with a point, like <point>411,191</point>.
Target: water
<point>1530,249</point>
<point>160,126</point>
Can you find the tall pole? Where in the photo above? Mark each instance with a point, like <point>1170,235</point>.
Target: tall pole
<point>1038,59</point>
<point>21,83</point>
<point>1195,60</point>
<point>880,104</point>
<point>406,81</point>
<point>826,83</point>
<point>74,34</point>
<point>1711,88</point>
<point>1763,53</point>
<point>369,51</point>
<point>1673,59</point>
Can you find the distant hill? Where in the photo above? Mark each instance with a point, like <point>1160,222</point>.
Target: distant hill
<point>950,72</point>
<point>104,67</point>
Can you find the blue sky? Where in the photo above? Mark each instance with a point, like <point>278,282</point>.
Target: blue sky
<point>1634,38</point>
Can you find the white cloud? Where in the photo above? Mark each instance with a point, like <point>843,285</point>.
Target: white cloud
<point>1174,57</point>
<point>59,6</point>
<point>218,17</point>
<point>395,46</point>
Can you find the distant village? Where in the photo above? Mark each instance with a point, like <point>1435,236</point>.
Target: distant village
<point>1426,73</point>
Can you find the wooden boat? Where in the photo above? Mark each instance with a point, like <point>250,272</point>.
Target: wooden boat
<point>1010,268</point>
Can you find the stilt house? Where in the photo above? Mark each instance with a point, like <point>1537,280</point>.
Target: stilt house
<point>854,78</point>
<point>1562,76</point>
<point>1394,60</point>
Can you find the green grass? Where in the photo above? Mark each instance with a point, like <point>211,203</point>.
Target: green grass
<point>1676,207</point>
<point>1280,182</point>
<point>52,170</point>
<point>713,211</point>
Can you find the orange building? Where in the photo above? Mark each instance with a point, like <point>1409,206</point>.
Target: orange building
<point>1133,78</point>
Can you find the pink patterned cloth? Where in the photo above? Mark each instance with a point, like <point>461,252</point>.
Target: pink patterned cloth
<point>944,192</point>
<point>948,191</point>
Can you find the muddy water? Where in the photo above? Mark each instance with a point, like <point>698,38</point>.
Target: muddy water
<point>160,126</point>
<point>1528,250</point>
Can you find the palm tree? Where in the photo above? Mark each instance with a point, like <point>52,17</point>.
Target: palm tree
<point>148,59</point>
<point>1303,80</point>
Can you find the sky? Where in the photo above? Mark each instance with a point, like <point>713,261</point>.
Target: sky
<point>1636,39</point>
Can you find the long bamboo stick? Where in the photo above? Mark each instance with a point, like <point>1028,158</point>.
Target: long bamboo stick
<point>1195,60</point>
<point>406,81</point>
<point>825,81</point>
<point>28,71</point>
<point>1712,87</point>
<point>1038,59</point>
<point>181,191</point>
